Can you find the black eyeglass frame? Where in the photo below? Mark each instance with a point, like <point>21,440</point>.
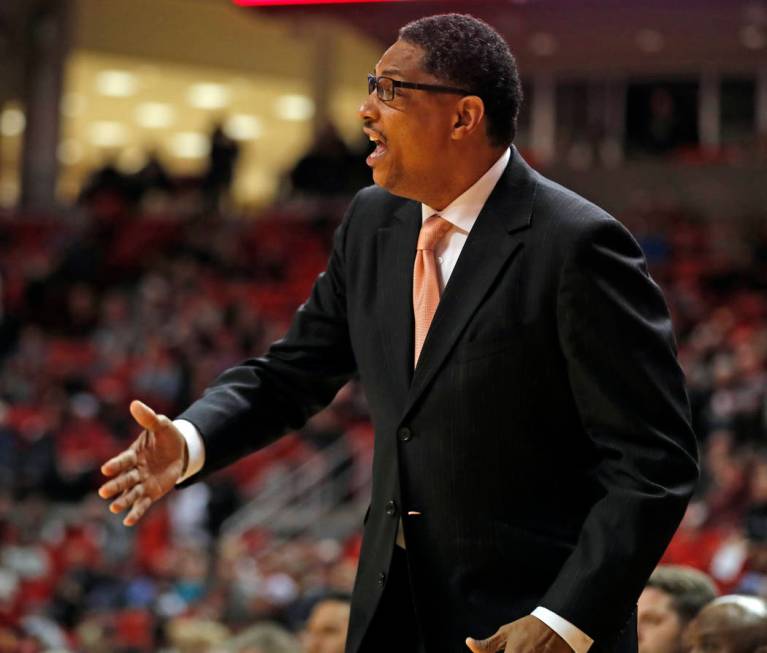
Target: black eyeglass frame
<point>373,85</point>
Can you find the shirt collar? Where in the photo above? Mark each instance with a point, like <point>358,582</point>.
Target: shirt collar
<point>463,211</point>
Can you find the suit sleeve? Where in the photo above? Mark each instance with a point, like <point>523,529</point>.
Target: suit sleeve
<point>616,336</point>
<point>252,404</point>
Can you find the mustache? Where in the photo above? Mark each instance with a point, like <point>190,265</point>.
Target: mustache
<point>368,124</point>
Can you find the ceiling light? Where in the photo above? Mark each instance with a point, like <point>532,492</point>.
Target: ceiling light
<point>649,41</point>
<point>295,108</point>
<point>69,152</point>
<point>116,83</point>
<point>107,134</point>
<point>12,122</point>
<point>190,145</point>
<point>73,104</point>
<point>208,96</point>
<point>753,37</point>
<point>242,127</point>
<point>543,44</point>
<point>154,115</point>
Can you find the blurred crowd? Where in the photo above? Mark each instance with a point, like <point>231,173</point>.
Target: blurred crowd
<point>151,298</point>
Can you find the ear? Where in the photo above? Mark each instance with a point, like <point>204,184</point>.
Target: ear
<point>469,113</point>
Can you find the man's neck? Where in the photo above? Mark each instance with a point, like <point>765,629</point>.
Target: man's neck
<point>467,173</point>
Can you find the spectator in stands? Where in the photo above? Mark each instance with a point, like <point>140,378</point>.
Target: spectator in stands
<point>328,624</point>
<point>754,578</point>
<point>326,168</point>
<point>672,598</point>
<point>219,176</point>
<point>193,635</point>
<point>266,637</point>
<point>730,624</point>
<point>153,177</point>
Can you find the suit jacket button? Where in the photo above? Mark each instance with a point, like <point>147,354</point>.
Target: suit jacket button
<point>391,509</point>
<point>405,434</point>
<point>381,578</point>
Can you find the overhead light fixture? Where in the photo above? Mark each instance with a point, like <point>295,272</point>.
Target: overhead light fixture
<point>543,44</point>
<point>243,127</point>
<point>295,108</point>
<point>190,145</point>
<point>207,95</point>
<point>103,133</point>
<point>116,83</point>
<point>650,41</point>
<point>753,37</point>
<point>73,104</point>
<point>154,115</point>
<point>12,122</point>
<point>69,152</point>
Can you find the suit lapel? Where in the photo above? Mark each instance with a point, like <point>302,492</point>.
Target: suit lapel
<point>496,236</point>
<point>396,254</point>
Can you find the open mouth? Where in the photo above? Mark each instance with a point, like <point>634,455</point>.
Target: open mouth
<point>380,146</point>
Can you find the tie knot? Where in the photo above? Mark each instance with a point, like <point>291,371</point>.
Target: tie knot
<point>432,231</point>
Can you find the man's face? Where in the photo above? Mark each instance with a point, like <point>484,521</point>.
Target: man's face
<point>327,627</point>
<point>658,624</point>
<point>413,130</point>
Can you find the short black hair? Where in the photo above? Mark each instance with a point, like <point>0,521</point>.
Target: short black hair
<point>688,588</point>
<point>466,52</point>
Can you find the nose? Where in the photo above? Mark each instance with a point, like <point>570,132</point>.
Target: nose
<point>368,110</point>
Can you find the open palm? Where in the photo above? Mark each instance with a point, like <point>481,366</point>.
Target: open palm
<point>148,469</point>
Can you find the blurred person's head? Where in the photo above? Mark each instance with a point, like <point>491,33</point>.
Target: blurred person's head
<point>431,145</point>
<point>672,597</point>
<point>749,358</point>
<point>328,624</point>
<point>193,635</point>
<point>730,624</point>
<point>755,522</point>
<point>266,637</point>
<point>758,483</point>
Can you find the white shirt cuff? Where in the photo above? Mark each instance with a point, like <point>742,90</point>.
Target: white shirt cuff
<point>579,641</point>
<point>194,447</point>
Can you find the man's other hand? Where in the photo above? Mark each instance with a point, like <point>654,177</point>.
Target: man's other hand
<point>525,635</point>
<point>148,469</point>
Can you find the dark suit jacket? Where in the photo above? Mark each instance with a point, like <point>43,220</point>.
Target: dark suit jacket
<point>544,436</point>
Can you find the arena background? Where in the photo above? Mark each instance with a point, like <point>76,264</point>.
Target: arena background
<point>158,161</point>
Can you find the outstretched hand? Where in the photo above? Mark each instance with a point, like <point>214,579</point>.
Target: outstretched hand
<point>148,469</point>
<point>528,634</point>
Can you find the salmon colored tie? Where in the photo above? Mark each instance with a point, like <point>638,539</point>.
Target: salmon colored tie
<point>426,278</point>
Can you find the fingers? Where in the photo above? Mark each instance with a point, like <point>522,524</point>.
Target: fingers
<point>490,645</point>
<point>145,416</point>
<point>127,499</point>
<point>120,484</point>
<point>120,463</point>
<point>138,510</point>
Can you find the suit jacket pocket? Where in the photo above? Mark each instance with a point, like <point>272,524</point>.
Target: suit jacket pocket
<point>468,351</point>
<point>536,556</point>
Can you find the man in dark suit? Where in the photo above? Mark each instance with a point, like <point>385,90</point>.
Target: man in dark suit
<point>533,451</point>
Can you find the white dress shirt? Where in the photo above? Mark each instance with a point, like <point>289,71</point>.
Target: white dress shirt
<point>462,213</point>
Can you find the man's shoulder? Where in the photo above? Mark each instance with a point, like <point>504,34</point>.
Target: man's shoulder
<point>372,208</point>
<point>377,199</point>
<point>570,210</point>
<point>564,220</point>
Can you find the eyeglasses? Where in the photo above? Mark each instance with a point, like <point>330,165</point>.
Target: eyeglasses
<point>384,87</point>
